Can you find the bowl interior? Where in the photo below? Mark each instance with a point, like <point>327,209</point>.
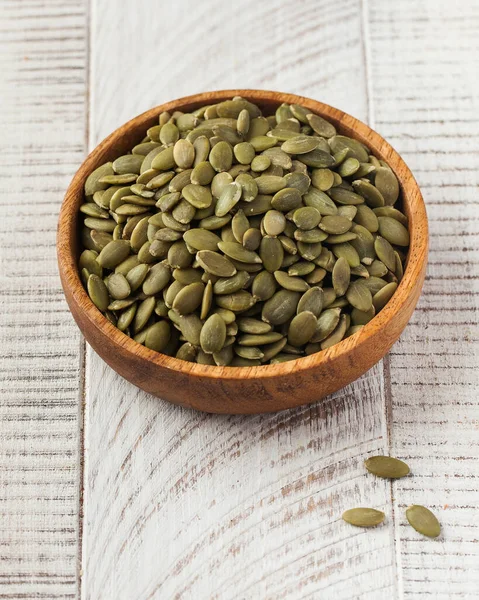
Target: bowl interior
<point>124,138</point>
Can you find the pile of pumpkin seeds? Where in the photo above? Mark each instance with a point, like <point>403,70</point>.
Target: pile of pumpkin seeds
<point>419,517</point>
<point>229,238</point>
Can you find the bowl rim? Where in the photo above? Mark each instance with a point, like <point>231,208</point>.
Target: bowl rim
<point>417,252</point>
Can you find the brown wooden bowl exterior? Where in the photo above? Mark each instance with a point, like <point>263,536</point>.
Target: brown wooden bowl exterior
<point>243,389</point>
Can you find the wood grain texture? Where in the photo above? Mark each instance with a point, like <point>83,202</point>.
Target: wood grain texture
<point>187,505</point>
<point>42,95</point>
<point>425,99</point>
<point>258,389</point>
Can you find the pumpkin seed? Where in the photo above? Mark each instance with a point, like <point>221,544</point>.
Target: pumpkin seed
<point>236,302</point>
<point>382,297</point>
<point>326,324</point>
<point>341,276</point>
<point>423,520</point>
<point>393,231</point>
<point>280,307</point>
<point>295,284</point>
<point>158,336</point>
<point>98,292</point>
<point>302,328</point>
<point>321,126</point>
<point>363,517</point>
<point>387,184</point>
<point>359,296</point>
<point>387,467</point>
<point>118,286</point>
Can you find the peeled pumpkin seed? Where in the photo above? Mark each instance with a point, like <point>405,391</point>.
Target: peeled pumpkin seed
<point>98,292</point>
<point>387,467</point>
<point>295,284</point>
<point>302,328</point>
<point>387,184</point>
<point>223,211</point>
<point>382,297</point>
<point>236,302</point>
<point>363,517</point>
<point>341,276</point>
<point>359,296</point>
<point>118,286</point>
<point>280,307</point>
<point>393,231</point>
<point>423,521</point>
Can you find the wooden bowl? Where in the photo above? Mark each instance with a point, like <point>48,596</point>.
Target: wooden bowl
<point>243,389</point>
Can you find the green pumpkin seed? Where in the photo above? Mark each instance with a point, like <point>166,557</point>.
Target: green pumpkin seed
<point>300,144</point>
<point>159,159</point>
<point>348,252</point>
<point>236,302</point>
<point>229,285</point>
<point>88,261</point>
<point>271,253</point>
<point>221,157</point>
<point>393,231</point>
<point>136,276</point>
<point>382,297</point>
<point>348,211</point>
<point>202,174</point>
<point>302,328</point>
<point>362,318</point>
<point>143,313</point>
<point>158,336</point>
<point>187,352</point>
<point>338,334</point>
<point>387,184</point>
<point>156,279</point>
<point>356,149</point>
<point>118,286</point>
<point>93,184</point>
<point>374,284</point>
<point>126,317</point>
<point>344,196</point>
<point>113,253</point>
<point>359,296</point>
<point>322,179</point>
<point>394,213</point>
<point>363,517</point>
<point>326,324</point>
<point>261,339</point>
<point>98,292</point>
<point>280,307</point>
<point>249,352</point>
<point>385,252</point>
<point>321,126</point>
<point>423,520</point>
<point>341,276</point>
<point>230,196</point>
<point>307,217</point>
<point>254,326</point>
<point>311,301</point>
<point>191,327</point>
<point>335,224</point>
<point>189,298</point>
<point>321,201</point>
<point>295,284</point>
<point>238,252</point>
<point>387,467</point>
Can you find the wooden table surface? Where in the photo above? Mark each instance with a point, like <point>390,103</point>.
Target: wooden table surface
<point>108,493</point>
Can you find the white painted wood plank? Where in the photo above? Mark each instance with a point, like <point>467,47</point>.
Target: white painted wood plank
<point>426,101</point>
<point>186,505</point>
<point>42,93</point>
